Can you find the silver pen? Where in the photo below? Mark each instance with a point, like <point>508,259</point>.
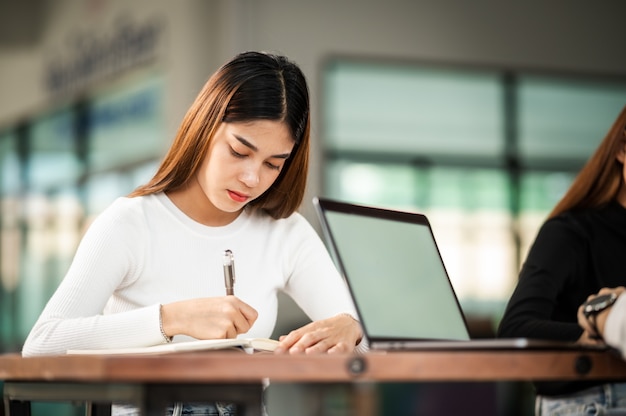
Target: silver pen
<point>229,272</point>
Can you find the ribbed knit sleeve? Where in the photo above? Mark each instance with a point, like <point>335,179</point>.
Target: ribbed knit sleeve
<point>110,255</point>
<point>313,280</point>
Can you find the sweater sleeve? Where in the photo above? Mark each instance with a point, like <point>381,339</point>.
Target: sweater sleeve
<point>551,285</point>
<point>314,282</point>
<point>109,255</point>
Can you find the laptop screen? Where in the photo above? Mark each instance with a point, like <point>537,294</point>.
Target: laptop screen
<point>395,273</point>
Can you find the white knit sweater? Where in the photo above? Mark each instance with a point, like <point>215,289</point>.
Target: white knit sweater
<point>144,251</point>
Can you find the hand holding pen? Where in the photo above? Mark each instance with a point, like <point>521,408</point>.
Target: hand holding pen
<point>229,272</point>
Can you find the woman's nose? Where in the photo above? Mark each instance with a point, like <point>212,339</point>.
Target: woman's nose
<point>250,177</point>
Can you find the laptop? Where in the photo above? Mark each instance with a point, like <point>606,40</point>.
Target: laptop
<point>398,280</point>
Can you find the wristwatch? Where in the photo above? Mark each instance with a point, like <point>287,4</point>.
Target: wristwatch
<point>593,307</point>
<point>598,304</point>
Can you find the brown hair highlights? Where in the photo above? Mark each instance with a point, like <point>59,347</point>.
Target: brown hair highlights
<point>599,181</point>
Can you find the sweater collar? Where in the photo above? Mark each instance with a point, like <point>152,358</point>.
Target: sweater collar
<point>240,222</point>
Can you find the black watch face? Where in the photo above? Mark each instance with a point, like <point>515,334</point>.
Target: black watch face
<point>599,303</point>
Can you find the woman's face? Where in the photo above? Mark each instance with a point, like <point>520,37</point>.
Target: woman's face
<point>243,161</point>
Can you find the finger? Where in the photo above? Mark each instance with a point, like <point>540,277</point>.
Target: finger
<point>241,323</point>
<point>320,347</point>
<point>242,315</point>
<point>340,348</point>
<point>285,342</point>
<point>248,312</point>
<point>309,342</point>
<point>231,332</point>
<point>297,341</point>
<point>584,323</point>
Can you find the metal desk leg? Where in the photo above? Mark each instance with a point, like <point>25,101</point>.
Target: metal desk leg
<point>16,407</point>
<point>98,409</point>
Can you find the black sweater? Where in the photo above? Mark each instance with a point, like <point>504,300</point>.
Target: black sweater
<point>573,256</point>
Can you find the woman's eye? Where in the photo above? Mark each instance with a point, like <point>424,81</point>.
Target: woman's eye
<point>236,154</point>
<point>272,166</point>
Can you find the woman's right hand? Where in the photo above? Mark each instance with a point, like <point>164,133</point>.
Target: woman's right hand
<point>208,318</point>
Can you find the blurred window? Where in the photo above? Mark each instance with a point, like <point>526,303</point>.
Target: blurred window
<point>403,110</point>
<point>126,125</point>
<point>52,157</point>
<point>564,120</point>
<point>485,154</point>
<point>10,241</point>
<point>57,171</point>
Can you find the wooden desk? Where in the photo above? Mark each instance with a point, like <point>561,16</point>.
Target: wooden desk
<point>152,381</point>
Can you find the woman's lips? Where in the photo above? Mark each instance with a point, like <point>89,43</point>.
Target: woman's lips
<point>235,196</point>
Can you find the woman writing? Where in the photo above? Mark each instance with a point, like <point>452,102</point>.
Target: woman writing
<point>578,251</point>
<point>149,269</point>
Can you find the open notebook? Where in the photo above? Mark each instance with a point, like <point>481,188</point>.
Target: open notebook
<point>398,281</point>
<point>249,345</point>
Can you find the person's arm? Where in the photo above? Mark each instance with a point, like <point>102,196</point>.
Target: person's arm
<point>318,288</point>
<point>72,319</point>
<point>550,287</point>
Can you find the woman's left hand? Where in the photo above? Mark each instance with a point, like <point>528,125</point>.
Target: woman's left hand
<point>338,334</point>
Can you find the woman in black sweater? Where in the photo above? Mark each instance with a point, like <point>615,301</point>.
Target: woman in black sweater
<point>580,249</point>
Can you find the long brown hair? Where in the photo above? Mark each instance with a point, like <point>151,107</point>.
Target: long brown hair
<point>599,181</point>
<point>251,86</point>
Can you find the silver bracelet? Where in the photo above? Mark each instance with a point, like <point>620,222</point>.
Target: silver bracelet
<point>167,339</point>
<point>349,315</point>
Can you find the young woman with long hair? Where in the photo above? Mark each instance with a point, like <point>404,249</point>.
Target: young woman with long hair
<point>577,251</point>
<point>149,269</point>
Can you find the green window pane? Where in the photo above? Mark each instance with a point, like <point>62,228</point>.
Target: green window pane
<point>126,125</point>
<point>468,209</point>
<point>9,165</point>
<point>53,161</point>
<point>565,120</point>
<point>397,185</point>
<point>411,110</point>
<point>541,191</point>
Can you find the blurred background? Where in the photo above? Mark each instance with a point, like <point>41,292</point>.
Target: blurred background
<point>478,114</point>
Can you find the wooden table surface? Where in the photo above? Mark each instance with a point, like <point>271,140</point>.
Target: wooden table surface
<point>237,367</point>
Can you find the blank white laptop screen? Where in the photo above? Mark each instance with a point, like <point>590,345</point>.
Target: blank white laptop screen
<point>395,273</point>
